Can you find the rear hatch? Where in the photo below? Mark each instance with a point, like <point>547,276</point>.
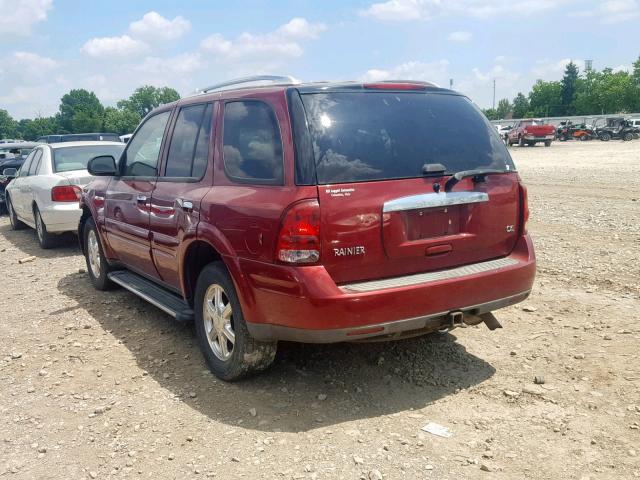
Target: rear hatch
<point>381,216</point>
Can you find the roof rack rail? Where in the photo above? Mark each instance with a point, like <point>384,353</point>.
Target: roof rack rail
<point>416,82</point>
<point>272,79</point>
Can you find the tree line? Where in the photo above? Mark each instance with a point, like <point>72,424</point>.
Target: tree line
<point>80,111</point>
<point>588,93</point>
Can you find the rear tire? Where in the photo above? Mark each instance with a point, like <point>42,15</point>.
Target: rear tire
<point>547,143</point>
<point>13,217</point>
<point>228,348</point>
<point>45,239</point>
<point>97,265</point>
<point>521,142</point>
<point>627,137</point>
<point>584,138</point>
<point>605,137</point>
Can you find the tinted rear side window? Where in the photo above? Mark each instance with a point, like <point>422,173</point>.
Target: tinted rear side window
<point>252,144</point>
<point>189,149</point>
<point>363,136</point>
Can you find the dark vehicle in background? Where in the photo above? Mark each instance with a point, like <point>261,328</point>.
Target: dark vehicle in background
<point>12,155</point>
<point>319,212</point>
<point>615,128</point>
<point>80,137</point>
<point>531,131</point>
<point>570,131</point>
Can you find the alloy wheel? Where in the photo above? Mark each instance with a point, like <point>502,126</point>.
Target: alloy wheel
<point>93,253</point>
<point>217,314</point>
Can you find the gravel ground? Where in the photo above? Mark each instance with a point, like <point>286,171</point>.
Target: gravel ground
<point>102,385</point>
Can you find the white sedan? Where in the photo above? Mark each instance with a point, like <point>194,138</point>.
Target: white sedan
<point>45,192</point>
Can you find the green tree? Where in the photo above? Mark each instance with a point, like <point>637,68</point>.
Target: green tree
<point>520,106</point>
<point>120,121</point>
<point>32,129</point>
<point>491,113</point>
<point>8,126</point>
<point>146,98</point>
<point>569,84</point>
<point>80,112</point>
<point>636,71</point>
<point>545,99</point>
<point>504,108</point>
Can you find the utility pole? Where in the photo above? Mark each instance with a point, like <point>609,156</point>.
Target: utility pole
<point>451,84</point>
<point>494,94</point>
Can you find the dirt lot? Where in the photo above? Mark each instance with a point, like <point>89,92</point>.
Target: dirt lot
<point>97,385</point>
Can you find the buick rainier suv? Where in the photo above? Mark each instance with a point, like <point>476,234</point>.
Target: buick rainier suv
<point>267,210</point>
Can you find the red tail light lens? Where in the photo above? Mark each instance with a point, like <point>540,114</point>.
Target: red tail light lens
<point>66,193</point>
<point>524,208</point>
<point>299,237</point>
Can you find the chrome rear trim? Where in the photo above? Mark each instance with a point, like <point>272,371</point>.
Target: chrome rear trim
<point>420,278</point>
<point>431,200</point>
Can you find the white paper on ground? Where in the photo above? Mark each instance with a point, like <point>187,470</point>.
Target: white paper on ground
<point>438,430</point>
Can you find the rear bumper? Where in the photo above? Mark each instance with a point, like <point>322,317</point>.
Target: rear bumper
<point>304,304</point>
<point>61,217</point>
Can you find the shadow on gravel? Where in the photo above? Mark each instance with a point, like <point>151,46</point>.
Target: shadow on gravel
<point>25,240</point>
<point>309,386</point>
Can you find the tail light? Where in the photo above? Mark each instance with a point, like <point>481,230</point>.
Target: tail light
<point>299,236</point>
<point>66,193</point>
<point>524,208</point>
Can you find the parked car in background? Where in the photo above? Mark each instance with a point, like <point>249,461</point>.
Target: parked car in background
<point>45,192</point>
<point>320,213</point>
<point>567,130</point>
<point>126,138</point>
<point>634,122</point>
<point>80,137</point>
<point>615,128</point>
<point>531,131</point>
<point>12,156</point>
<point>503,131</point>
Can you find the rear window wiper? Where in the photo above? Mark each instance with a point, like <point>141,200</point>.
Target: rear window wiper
<point>478,175</point>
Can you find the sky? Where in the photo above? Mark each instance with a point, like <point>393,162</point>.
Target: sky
<point>48,47</point>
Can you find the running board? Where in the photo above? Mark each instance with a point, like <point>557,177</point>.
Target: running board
<point>147,290</point>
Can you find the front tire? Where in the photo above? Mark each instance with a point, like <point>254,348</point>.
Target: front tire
<point>229,350</point>
<point>547,143</point>
<point>13,217</point>
<point>45,239</point>
<point>627,137</point>
<point>521,142</point>
<point>97,265</point>
<point>605,137</point>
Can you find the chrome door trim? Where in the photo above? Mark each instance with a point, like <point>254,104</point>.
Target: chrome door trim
<point>433,200</point>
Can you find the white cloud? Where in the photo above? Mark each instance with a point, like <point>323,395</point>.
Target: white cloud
<point>613,11</point>
<point>546,69</point>
<point>123,46</point>
<point>460,37</point>
<point>180,64</point>
<point>154,26</point>
<point>17,17</point>
<point>301,28</point>
<point>436,72</point>
<point>408,10</point>
<point>271,47</point>
<point>398,10</point>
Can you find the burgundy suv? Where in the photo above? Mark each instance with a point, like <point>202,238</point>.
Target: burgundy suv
<point>320,212</point>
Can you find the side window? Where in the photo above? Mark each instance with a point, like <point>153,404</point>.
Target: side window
<point>143,150</point>
<point>189,150</point>
<point>24,170</point>
<point>35,163</point>
<point>252,145</point>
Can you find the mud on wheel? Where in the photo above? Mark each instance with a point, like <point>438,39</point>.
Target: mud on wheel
<point>229,350</point>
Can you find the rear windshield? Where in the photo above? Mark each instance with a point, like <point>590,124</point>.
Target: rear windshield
<point>66,159</point>
<point>363,136</point>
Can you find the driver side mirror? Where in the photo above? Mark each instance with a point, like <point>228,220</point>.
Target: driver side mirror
<point>102,166</point>
<point>10,172</point>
